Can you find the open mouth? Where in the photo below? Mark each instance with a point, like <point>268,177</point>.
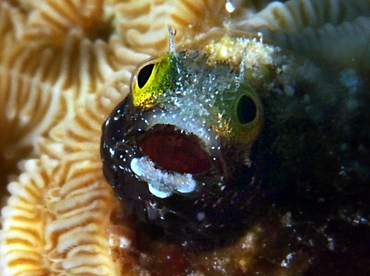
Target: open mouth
<point>174,150</point>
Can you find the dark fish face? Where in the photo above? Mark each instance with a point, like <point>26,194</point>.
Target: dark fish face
<point>186,153</point>
<point>177,150</point>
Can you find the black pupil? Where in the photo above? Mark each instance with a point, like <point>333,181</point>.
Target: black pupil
<point>144,75</point>
<point>246,110</point>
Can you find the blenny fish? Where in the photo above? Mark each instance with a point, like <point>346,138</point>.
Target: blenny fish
<point>216,135</point>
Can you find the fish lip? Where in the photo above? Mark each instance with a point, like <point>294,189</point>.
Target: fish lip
<point>187,123</point>
<point>175,150</point>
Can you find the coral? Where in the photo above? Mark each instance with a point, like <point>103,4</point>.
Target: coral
<point>64,65</point>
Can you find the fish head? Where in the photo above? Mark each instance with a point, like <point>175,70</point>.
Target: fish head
<point>182,139</point>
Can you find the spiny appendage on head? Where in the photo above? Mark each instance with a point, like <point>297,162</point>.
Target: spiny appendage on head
<point>176,150</point>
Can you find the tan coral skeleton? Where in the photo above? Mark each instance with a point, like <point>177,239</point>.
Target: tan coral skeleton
<point>59,79</point>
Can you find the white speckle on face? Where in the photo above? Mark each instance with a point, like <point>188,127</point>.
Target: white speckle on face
<point>162,184</point>
<point>229,7</point>
<point>288,260</point>
<point>201,216</point>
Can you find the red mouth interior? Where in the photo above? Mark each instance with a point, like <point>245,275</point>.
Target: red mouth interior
<point>176,151</point>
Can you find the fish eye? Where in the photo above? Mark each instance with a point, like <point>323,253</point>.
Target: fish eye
<point>246,115</point>
<point>146,83</point>
<point>246,109</point>
<point>144,74</point>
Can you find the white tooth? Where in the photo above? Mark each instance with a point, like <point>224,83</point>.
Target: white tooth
<point>134,165</point>
<point>161,183</point>
<point>156,190</point>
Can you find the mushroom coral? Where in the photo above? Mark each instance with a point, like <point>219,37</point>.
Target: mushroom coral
<point>64,65</point>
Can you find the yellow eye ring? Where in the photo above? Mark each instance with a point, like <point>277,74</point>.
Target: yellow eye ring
<point>144,74</point>
<point>246,109</point>
<point>147,82</point>
<point>247,116</point>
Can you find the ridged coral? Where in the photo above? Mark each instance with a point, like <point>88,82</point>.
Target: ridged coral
<point>295,15</point>
<point>334,31</point>
<point>64,65</point>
